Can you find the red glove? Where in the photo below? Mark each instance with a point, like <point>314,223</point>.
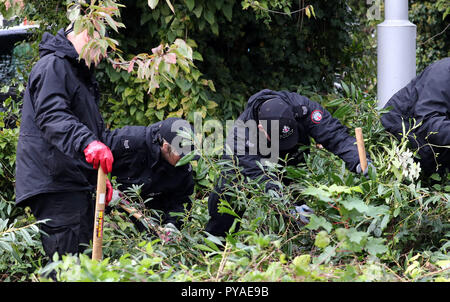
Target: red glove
<point>98,153</point>
<point>109,192</point>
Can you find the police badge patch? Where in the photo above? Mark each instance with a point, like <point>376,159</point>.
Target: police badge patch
<point>316,116</point>
<point>286,131</point>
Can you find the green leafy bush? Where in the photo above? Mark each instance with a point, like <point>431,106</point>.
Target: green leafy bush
<point>9,134</point>
<point>20,250</point>
<point>236,51</point>
<point>391,226</point>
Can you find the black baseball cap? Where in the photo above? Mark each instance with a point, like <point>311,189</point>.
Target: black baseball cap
<point>278,110</point>
<point>168,129</point>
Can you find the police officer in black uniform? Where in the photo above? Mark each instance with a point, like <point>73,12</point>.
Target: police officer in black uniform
<point>147,156</point>
<point>425,103</point>
<point>298,119</point>
<point>61,143</point>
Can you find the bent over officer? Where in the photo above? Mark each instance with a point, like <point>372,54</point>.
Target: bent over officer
<point>285,121</point>
<point>60,144</point>
<point>423,108</point>
<point>147,156</point>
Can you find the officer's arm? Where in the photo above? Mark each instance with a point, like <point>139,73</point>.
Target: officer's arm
<point>245,156</point>
<point>433,109</point>
<point>128,145</point>
<point>179,197</point>
<point>330,133</point>
<point>125,138</point>
<point>60,127</point>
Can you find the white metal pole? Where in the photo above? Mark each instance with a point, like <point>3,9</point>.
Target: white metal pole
<point>396,50</point>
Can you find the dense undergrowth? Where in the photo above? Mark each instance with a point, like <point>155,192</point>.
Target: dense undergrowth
<point>392,225</point>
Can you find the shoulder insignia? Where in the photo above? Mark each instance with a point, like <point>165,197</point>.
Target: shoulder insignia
<point>316,116</point>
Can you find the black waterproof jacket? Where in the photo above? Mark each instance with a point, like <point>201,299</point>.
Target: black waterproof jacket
<point>329,132</point>
<point>138,161</point>
<point>60,117</point>
<point>425,101</point>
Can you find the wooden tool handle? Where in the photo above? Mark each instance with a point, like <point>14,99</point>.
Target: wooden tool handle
<point>99,216</point>
<point>137,214</point>
<point>361,148</point>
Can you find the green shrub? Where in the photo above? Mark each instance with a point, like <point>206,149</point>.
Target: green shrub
<point>390,226</point>
<point>9,134</point>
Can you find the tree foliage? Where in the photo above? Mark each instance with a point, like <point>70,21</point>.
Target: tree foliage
<point>433,31</point>
<point>244,50</point>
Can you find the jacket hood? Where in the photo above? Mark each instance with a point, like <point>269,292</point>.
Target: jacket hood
<point>58,43</point>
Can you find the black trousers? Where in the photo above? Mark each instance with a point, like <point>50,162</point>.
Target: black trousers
<point>220,223</point>
<point>71,220</point>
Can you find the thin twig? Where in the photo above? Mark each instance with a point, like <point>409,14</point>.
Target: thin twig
<point>278,12</point>
<point>394,273</point>
<point>434,273</point>
<point>302,16</point>
<point>222,262</point>
<point>13,229</point>
<point>436,35</point>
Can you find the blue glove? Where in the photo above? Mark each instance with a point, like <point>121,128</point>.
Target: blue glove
<point>369,164</point>
<point>302,213</point>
